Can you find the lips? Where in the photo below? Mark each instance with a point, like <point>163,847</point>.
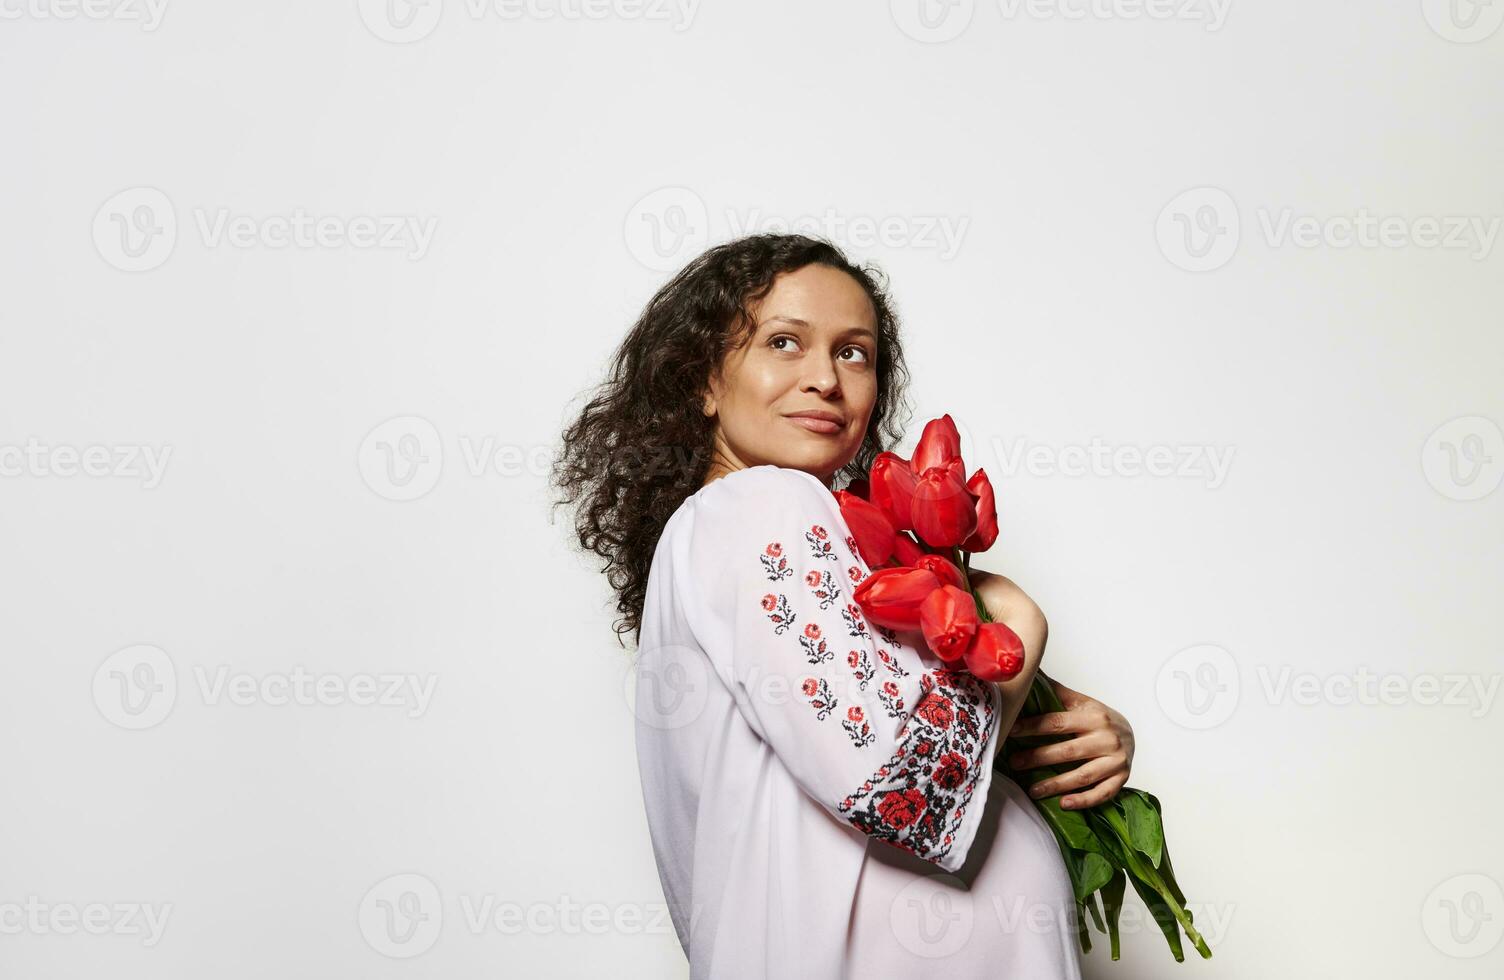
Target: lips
<point>822,422</point>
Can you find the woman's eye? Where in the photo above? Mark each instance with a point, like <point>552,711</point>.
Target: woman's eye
<point>858,350</point>
<point>775,340</point>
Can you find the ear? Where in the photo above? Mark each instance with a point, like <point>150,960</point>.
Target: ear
<point>708,400</point>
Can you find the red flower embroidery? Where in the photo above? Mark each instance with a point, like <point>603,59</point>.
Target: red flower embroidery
<point>901,807</point>
<point>935,708</point>
<point>951,770</point>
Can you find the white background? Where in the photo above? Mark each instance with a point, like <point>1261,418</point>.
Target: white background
<point>564,165</point>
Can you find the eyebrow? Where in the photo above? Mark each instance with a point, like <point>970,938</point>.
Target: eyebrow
<point>860,331</point>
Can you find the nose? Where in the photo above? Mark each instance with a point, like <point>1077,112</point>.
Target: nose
<point>822,377</point>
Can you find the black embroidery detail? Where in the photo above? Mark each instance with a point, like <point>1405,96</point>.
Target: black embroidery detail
<point>917,800</point>
<point>816,651</point>
<point>819,542</point>
<point>822,585</point>
<point>778,610</point>
<point>861,667</point>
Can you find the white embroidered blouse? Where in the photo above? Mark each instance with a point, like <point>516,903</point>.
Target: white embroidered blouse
<point>819,789</point>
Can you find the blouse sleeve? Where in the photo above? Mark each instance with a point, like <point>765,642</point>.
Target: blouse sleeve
<point>885,737</point>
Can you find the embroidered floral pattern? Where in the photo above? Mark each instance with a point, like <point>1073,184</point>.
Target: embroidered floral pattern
<point>819,542</point>
<point>891,662</point>
<point>856,623</point>
<point>856,726</point>
<point>822,585</point>
<point>891,698</point>
<point>820,698</point>
<point>861,667</point>
<point>815,648</point>
<point>775,564</point>
<point>778,610</point>
<point>917,800</point>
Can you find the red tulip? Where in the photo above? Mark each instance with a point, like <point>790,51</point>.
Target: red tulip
<point>944,512</point>
<point>996,653</point>
<point>891,596</point>
<point>948,617</point>
<point>945,570</point>
<point>861,486</point>
<point>869,525</point>
<point>892,488</point>
<point>938,444</point>
<point>986,532</point>
<point>906,550</point>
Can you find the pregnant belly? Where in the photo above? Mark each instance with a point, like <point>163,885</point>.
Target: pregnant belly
<point>1008,911</point>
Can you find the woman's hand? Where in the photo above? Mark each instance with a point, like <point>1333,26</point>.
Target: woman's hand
<point>1103,738</point>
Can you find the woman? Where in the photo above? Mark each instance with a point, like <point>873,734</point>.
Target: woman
<point>819,791</point>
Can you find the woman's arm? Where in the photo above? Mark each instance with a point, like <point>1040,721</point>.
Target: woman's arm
<point>1008,604</point>
<point>1103,745</point>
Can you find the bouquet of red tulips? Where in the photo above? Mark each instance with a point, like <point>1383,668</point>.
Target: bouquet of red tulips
<point>923,582</point>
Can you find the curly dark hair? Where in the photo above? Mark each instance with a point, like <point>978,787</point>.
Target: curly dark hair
<point>642,444</point>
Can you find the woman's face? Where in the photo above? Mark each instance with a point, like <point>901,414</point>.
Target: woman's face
<point>814,350</point>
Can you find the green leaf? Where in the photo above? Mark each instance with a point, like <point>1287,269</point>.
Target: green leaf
<point>1162,915</point>
<point>1144,829</point>
<point>1096,914</point>
<point>1069,825</point>
<point>1112,902</point>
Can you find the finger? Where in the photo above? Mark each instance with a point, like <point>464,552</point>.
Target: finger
<point>1098,794</point>
<point>1081,747</point>
<point>1083,776</point>
<point>1053,723</point>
